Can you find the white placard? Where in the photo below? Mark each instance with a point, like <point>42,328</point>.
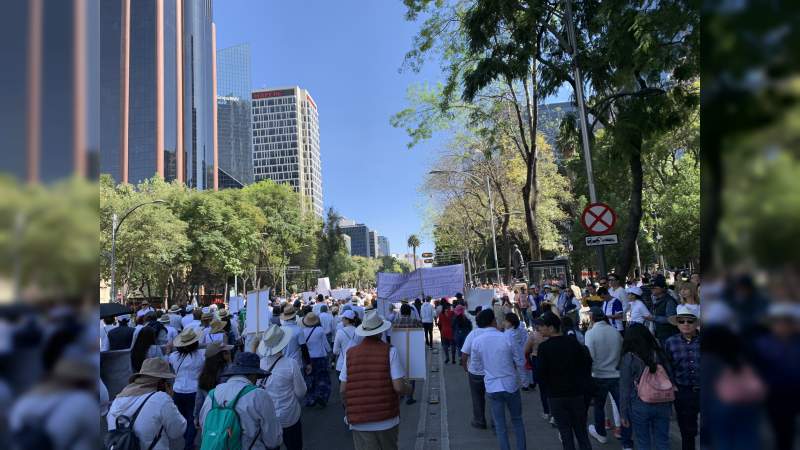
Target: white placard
<point>235,304</point>
<point>343,294</point>
<point>308,296</point>
<point>258,311</point>
<point>479,297</point>
<point>410,345</point>
<point>323,286</point>
<point>434,281</point>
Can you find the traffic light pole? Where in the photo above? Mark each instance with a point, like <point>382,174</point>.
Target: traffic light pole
<point>587,154</point>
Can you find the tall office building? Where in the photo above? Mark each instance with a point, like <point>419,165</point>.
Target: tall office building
<point>48,116</point>
<point>286,142</point>
<point>158,91</point>
<point>233,117</point>
<point>359,239</point>
<point>383,246</point>
<point>373,244</point>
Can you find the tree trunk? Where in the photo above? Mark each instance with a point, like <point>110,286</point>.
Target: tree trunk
<point>529,199</point>
<point>628,249</point>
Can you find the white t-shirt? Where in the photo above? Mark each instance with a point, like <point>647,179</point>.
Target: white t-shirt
<point>474,365</point>
<point>397,371</point>
<point>638,311</point>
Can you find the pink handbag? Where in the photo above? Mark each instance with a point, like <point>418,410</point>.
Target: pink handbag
<point>655,387</point>
<point>742,387</point>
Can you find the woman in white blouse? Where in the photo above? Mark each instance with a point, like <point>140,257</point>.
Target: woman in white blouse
<point>187,363</point>
<point>284,384</point>
<point>345,338</point>
<point>216,333</point>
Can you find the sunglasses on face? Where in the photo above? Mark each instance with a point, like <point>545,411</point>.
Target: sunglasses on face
<point>685,321</point>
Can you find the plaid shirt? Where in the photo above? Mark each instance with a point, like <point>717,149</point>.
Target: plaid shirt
<point>406,322</point>
<point>685,358</point>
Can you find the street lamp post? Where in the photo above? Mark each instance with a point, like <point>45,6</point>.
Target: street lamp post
<point>491,210</point>
<point>115,224</point>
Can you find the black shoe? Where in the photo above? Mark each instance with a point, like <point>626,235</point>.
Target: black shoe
<point>481,426</point>
<point>322,404</point>
<point>447,361</point>
<point>410,401</point>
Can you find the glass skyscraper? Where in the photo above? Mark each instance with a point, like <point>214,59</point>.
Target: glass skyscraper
<point>157,106</point>
<point>235,163</point>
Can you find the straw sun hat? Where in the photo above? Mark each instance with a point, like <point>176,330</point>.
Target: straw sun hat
<point>373,324</point>
<point>275,339</point>
<point>154,367</point>
<point>187,337</point>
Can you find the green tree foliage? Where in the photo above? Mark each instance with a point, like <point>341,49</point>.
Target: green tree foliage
<point>394,265</point>
<point>201,238</point>
<point>414,242</point>
<point>48,236</point>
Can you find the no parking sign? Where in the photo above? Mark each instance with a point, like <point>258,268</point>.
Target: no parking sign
<point>598,218</point>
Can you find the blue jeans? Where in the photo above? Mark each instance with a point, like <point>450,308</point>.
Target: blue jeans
<point>603,387</point>
<point>185,405</point>
<point>499,401</point>
<point>650,422</point>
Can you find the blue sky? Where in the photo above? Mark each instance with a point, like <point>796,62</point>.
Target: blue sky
<point>347,54</point>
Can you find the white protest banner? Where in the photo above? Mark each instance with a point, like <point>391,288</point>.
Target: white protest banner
<point>410,345</point>
<point>323,286</point>
<point>308,296</point>
<point>258,311</point>
<point>235,304</point>
<point>479,297</point>
<point>442,281</point>
<point>343,294</point>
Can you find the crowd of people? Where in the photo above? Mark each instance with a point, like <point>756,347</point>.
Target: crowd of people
<point>628,351</point>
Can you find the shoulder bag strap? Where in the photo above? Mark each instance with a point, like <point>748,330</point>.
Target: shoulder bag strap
<point>139,409</point>
<point>314,328</point>
<point>155,441</point>
<point>269,372</point>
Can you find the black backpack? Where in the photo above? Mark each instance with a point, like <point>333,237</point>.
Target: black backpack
<point>123,437</point>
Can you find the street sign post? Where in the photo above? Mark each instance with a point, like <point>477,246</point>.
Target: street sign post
<point>427,261</point>
<point>598,218</point>
<point>427,255</point>
<point>608,239</point>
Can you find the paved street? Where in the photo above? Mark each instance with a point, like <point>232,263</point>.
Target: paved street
<point>442,426</point>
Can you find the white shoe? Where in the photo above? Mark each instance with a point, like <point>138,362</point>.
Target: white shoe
<point>593,432</point>
<point>553,421</point>
<point>545,416</point>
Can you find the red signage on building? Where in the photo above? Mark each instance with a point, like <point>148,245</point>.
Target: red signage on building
<point>270,94</point>
<point>311,101</point>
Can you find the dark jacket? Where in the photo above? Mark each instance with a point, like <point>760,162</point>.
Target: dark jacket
<point>120,338</point>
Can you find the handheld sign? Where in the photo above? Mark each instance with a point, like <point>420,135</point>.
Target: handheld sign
<point>258,311</point>
<point>598,218</point>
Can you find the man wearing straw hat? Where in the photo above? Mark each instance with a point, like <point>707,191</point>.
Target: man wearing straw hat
<point>147,403</point>
<point>373,407</point>
<point>256,412</point>
<point>315,349</point>
<point>289,326</point>
<point>683,350</point>
<point>285,384</point>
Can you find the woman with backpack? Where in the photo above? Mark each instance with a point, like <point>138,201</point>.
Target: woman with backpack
<point>647,390</point>
<point>187,362</point>
<point>143,415</point>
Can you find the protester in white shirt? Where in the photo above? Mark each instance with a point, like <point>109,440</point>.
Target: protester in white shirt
<point>318,378</point>
<point>502,362</point>
<point>345,338</point>
<point>145,308</point>
<point>327,323</point>
<point>289,325</point>
<point>355,304</point>
<point>474,367</point>
<point>192,320</point>
<point>187,363</point>
<point>215,333</point>
<point>172,333</point>
<point>616,290</point>
<point>285,385</point>
<point>52,404</point>
<point>261,428</point>
<point>638,310</point>
<point>175,319</point>
<point>158,418</point>
<point>518,336</point>
<point>426,316</point>
<point>106,325</point>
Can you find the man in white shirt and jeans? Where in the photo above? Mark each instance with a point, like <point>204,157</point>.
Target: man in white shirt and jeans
<point>474,368</point>
<point>502,362</point>
<point>426,316</point>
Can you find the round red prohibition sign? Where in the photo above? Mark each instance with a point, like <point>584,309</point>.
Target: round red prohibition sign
<point>598,218</point>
